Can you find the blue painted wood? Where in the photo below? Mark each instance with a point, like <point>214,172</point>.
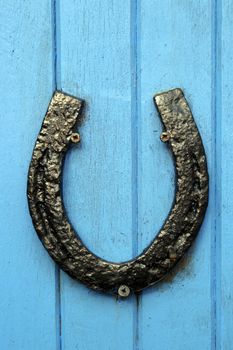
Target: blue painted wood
<point>175,51</point>
<point>119,183</point>
<point>224,168</point>
<point>96,64</point>
<point>27,278</point>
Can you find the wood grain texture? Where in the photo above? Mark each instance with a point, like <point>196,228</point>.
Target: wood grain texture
<point>224,169</point>
<point>27,287</point>
<point>119,183</point>
<point>175,50</point>
<point>96,65</point>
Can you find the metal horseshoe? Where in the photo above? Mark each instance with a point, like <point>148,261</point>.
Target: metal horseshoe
<point>180,227</point>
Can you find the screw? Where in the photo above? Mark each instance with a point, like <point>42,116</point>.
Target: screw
<point>75,137</point>
<point>165,136</point>
<point>123,291</point>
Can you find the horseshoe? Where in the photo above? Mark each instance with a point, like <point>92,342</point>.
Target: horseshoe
<point>179,229</point>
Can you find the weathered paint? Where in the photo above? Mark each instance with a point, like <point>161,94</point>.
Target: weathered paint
<point>119,186</point>
<point>27,275</point>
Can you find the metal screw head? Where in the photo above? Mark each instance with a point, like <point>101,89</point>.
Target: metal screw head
<point>123,291</point>
<point>75,137</point>
<point>164,137</point>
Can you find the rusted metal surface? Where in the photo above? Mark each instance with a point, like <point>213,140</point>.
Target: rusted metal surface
<point>179,230</point>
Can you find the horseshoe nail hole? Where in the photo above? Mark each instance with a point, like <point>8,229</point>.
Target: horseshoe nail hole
<point>164,137</point>
<point>75,137</point>
<point>123,291</point>
<point>172,254</point>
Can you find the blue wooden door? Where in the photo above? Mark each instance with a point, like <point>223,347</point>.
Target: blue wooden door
<point>119,185</point>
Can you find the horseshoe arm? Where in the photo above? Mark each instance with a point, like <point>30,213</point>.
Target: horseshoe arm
<point>180,228</point>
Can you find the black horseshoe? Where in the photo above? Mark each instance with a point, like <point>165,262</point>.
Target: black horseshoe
<point>176,235</point>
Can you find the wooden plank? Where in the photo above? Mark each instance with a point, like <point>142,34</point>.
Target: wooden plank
<point>27,292</point>
<point>224,156</point>
<point>174,51</point>
<point>95,62</point>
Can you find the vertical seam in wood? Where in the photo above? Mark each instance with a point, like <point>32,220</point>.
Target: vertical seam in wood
<point>216,172</point>
<point>56,44</point>
<point>134,125</point>
<point>58,308</point>
<point>55,34</point>
<point>135,119</point>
